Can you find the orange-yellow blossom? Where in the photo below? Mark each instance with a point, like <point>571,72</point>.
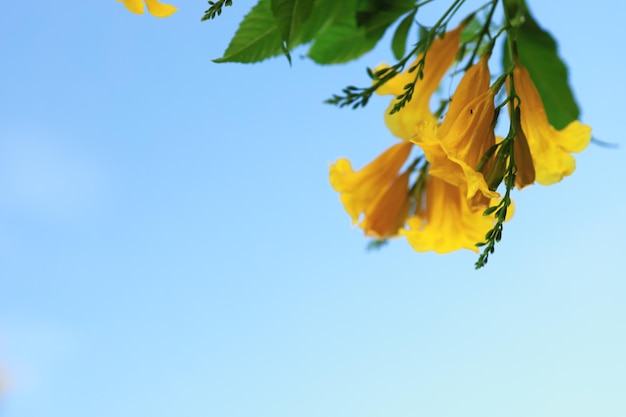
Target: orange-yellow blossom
<point>444,221</point>
<point>377,192</point>
<point>154,7</point>
<point>550,148</point>
<point>455,148</point>
<point>439,58</point>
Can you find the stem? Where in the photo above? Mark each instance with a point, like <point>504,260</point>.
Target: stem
<point>483,32</point>
<point>507,150</point>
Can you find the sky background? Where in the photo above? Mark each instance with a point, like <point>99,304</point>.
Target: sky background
<point>170,245</point>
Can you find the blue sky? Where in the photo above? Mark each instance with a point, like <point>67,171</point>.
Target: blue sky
<point>170,245</point>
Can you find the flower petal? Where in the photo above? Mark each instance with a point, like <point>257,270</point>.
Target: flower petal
<point>550,148</point>
<point>135,6</point>
<point>439,58</point>
<point>387,215</point>
<point>160,9</point>
<point>360,189</point>
<point>456,148</point>
<point>445,222</point>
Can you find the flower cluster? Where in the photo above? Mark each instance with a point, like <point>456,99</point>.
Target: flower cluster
<point>447,198</point>
<point>154,7</point>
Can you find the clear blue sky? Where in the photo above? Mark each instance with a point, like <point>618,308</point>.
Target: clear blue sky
<point>170,245</point>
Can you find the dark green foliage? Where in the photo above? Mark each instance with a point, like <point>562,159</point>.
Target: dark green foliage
<point>357,30</point>
<point>340,31</point>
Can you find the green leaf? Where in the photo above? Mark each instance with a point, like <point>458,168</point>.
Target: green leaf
<point>368,10</point>
<point>257,38</point>
<point>340,43</point>
<point>398,44</point>
<point>537,51</point>
<point>344,40</point>
<point>323,14</point>
<point>290,16</point>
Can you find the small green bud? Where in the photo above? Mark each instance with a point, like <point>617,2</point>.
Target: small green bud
<point>496,172</point>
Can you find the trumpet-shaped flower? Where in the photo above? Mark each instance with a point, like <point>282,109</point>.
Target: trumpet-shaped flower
<point>154,7</point>
<point>376,191</point>
<point>444,221</point>
<point>439,58</point>
<point>455,148</point>
<point>550,148</point>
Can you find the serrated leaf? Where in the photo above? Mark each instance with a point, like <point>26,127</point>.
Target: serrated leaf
<point>398,43</point>
<point>257,38</point>
<point>290,16</point>
<point>537,51</point>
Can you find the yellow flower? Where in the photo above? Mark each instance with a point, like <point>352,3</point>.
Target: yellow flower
<point>439,58</point>
<point>154,7</point>
<point>456,147</point>
<point>444,222</point>
<point>376,191</point>
<point>550,148</point>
